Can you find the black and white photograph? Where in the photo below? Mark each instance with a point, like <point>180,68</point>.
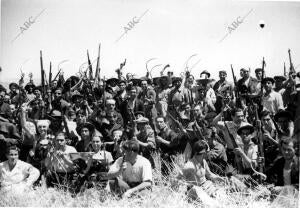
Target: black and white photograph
<point>148,103</point>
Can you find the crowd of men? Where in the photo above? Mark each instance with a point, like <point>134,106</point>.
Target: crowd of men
<point>87,132</point>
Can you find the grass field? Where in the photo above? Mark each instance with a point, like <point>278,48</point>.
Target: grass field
<point>165,193</point>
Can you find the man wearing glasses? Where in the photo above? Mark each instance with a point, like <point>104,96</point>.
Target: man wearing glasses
<point>131,173</point>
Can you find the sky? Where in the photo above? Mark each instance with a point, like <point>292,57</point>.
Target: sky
<point>214,34</point>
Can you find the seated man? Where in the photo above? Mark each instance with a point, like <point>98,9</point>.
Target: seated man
<point>16,175</point>
<point>58,162</point>
<point>285,169</point>
<point>131,173</point>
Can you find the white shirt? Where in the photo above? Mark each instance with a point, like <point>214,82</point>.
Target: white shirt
<point>22,175</point>
<point>140,171</point>
<point>273,102</point>
<point>63,163</point>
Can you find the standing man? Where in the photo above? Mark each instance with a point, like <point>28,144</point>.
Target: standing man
<point>222,83</point>
<point>272,101</point>
<point>148,97</point>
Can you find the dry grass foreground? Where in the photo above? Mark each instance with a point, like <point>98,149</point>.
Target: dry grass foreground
<point>165,193</point>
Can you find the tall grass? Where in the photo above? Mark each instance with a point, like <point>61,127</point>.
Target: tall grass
<point>166,192</point>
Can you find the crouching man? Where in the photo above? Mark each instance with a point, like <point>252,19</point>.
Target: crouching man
<point>59,165</point>
<point>131,173</point>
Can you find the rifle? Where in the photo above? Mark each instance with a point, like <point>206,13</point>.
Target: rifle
<point>234,144</point>
<point>90,66</point>
<point>50,75</point>
<point>292,69</point>
<point>262,75</point>
<point>64,119</point>
<point>97,75</point>
<point>261,165</point>
<point>235,82</point>
<point>42,74</point>
<point>103,94</point>
<point>284,69</point>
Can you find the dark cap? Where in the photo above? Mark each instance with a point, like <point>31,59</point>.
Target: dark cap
<point>13,85</point>
<point>175,79</point>
<point>280,78</point>
<point>205,72</point>
<point>268,79</point>
<point>245,126</point>
<point>258,70</point>
<point>87,125</point>
<point>283,114</point>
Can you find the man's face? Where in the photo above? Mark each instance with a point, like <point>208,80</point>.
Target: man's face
<point>258,75</point>
<point>222,75</point>
<point>177,83</point>
<point>112,118</point>
<point>245,73</point>
<point>160,123</point>
<point>190,81</point>
<point>117,135</point>
<point>288,150</point>
<point>85,133</point>
<point>122,86</point>
<point>110,105</point>
<point>54,84</point>
<point>2,95</point>
<point>13,156</point>
<point>60,141</point>
<point>268,85</point>
<point>13,89</point>
<point>144,85</point>
<point>283,122</point>
<point>266,121</point>
<point>238,117</point>
<point>246,136</point>
<point>42,129</point>
<point>37,93</point>
<point>80,118</point>
<point>96,143</point>
<point>197,112</point>
<point>133,93</point>
<point>57,94</point>
<point>278,83</point>
<point>141,126</point>
<point>12,107</point>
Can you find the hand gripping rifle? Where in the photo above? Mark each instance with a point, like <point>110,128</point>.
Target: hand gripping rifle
<point>263,176</point>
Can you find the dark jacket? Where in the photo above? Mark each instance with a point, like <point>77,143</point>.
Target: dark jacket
<point>126,114</point>
<point>275,172</point>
